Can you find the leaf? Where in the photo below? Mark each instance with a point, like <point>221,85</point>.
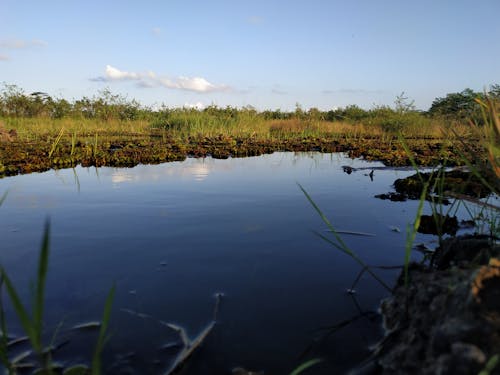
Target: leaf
<point>340,245</point>
<point>4,196</point>
<point>40,289</point>
<point>101,340</point>
<point>77,370</point>
<point>189,349</point>
<point>182,333</point>
<point>411,232</point>
<point>88,325</point>
<point>305,366</point>
<point>19,309</point>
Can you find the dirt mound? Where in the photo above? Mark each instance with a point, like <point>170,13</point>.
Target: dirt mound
<point>447,320</point>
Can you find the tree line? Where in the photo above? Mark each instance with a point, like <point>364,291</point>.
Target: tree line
<point>461,106</point>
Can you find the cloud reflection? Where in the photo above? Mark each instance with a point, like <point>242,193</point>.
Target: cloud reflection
<point>194,169</point>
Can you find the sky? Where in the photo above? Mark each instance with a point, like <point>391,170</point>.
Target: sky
<point>266,54</point>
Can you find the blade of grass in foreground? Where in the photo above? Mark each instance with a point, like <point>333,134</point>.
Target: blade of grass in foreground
<point>340,245</point>
<point>4,339</point>
<point>305,366</point>
<point>412,232</point>
<point>490,365</point>
<point>96,359</point>
<point>4,196</point>
<point>19,309</point>
<point>40,289</point>
<point>32,326</point>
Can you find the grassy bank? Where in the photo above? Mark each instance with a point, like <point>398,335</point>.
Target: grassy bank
<point>38,133</point>
<point>40,143</point>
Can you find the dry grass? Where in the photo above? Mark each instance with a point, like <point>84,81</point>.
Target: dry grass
<point>34,129</point>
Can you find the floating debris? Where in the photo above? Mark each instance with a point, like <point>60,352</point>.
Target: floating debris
<point>18,358</point>
<point>190,346</point>
<point>87,326</point>
<point>16,341</point>
<point>394,229</point>
<point>354,233</point>
<point>135,313</point>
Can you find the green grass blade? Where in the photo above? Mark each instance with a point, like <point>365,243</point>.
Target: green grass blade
<point>56,142</point>
<point>326,221</point>
<point>410,156</point>
<point>4,196</point>
<point>340,245</point>
<point>4,358</point>
<point>305,366</point>
<point>411,233</point>
<point>101,340</point>
<point>490,365</point>
<point>40,285</point>
<point>19,309</point>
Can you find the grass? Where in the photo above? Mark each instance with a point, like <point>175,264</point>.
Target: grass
<point>32,324</point>
<point>340,244</point>
<point>189,124</point>
<point>199,124</point>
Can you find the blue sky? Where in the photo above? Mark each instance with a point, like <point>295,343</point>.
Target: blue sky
<point>268,54</point>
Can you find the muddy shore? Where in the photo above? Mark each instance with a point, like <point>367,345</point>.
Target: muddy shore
<point>447,319</point>
<point>20,157</point>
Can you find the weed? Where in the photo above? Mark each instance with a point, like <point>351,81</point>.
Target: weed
<point>32,324</point>
<point>340,244</point>
<point>56,142</point>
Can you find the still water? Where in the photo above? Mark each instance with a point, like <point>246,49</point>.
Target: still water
<point>171,236</point>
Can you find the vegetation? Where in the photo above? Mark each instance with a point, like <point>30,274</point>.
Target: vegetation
<point>39,118</point>
<point>456,286</point>
<point>38,132</point>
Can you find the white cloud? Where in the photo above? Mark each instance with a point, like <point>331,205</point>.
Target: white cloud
<point>114,74</point>
<point>197,105</point>
<point>156,31</point>
<point>151,79</point>
<point>21,44</point>
<point>4,57</point>
<point>195,84</point>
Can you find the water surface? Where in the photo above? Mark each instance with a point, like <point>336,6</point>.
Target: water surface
<point>170,236</point>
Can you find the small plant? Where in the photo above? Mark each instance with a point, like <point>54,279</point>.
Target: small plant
<point>340,244</point>
<point>56,142</point>
<point>32,324</point>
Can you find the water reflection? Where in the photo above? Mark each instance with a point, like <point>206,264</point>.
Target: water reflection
<point>177,233</point>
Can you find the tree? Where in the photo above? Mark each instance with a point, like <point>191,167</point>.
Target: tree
<point>459,106</point>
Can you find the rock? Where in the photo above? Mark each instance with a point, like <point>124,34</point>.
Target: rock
<point>447,224</point>
<point>464,249</point>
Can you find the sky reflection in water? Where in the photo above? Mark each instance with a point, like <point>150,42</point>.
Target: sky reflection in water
<point>172,235</point>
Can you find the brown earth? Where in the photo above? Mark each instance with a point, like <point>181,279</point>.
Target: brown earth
<point>19,157</point>
<point>447,320</point>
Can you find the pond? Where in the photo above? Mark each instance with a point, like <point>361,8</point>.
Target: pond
<point>172,236</point>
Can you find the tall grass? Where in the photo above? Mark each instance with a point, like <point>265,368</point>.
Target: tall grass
<point>188,124</point>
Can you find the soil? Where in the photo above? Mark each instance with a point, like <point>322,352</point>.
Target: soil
<point>447,320</point>
<point>18,156</point>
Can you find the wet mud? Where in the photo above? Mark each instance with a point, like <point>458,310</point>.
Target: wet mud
<point>447,319</point>
<point>19,157</point>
